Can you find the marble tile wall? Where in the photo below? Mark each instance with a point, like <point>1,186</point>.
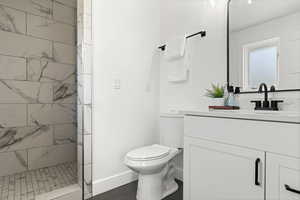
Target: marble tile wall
<point>37,84</point>
<point>85,103</point>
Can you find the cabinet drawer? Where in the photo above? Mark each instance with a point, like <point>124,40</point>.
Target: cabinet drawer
<point>283,178</point>
<point>275,137</point>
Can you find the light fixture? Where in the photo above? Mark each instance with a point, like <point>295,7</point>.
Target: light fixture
<point>212,3</point>
<point>249,1</point>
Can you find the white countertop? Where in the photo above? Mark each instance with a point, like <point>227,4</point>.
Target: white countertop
<point>275,116</point>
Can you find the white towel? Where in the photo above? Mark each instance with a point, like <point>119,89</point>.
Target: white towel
<point>177,60</point>
<point>178,70</point>
<point>175,48</point>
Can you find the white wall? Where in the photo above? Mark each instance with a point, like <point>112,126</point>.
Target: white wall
<point>126,33</point>
<point>207,55</point>
<point>125,37</point>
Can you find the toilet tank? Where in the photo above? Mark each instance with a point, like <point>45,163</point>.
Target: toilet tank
<point>171,130</point>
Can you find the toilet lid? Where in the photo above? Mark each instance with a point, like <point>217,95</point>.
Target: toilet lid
<point>149,153</point>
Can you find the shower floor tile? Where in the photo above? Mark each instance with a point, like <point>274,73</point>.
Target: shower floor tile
<point>26,185</point>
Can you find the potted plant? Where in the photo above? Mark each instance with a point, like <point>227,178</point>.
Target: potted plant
<point>216,94</point>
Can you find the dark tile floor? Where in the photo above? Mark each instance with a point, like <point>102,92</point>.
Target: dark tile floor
<point>128,192</point>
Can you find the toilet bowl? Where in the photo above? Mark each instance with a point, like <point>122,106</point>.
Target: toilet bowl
<point>155,171</point>
<point>154,164</point>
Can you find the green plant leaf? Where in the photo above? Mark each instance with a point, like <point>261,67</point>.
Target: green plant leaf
<point>216,92</point>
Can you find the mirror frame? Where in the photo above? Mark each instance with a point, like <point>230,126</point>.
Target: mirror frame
<point>228,56</point>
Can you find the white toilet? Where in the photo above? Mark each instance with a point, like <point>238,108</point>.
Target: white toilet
<point>154,163</point>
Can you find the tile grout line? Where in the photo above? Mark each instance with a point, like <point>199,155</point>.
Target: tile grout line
<point>39,147</point>
<point>32,126</point>
<point>52,14</point>
<point>41,38</point>
<point>27,150</point>
<point>27,113</point>
<point>2,186</point>
<point>53,133</point>
<point>21,57</point>
<point>58,2</point>
<point>26,22</point>
<point>42,16</point>
<point>27,63</point>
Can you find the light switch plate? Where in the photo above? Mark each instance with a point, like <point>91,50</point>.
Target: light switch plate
<point>117,84</point>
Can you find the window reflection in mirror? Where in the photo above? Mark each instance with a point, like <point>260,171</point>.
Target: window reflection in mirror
<point>261,64</point>
<point>264,43</point>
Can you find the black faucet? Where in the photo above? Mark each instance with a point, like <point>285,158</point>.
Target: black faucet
<point>266,103</point>
<point>264,86</point>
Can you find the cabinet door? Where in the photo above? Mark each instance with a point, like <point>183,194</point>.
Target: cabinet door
<point>214,171</point>
<point>282,178</point>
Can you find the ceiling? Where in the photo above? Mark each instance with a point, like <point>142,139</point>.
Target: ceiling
<point>243,14</point>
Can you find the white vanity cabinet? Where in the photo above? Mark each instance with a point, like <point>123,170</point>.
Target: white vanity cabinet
<point>240,159</point>
<point>283,177</point>
<point>215,172</point>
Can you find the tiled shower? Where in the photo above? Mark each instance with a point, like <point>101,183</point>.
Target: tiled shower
<point>44,140</point>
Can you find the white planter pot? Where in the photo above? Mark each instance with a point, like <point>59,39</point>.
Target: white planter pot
<point>217,102</point>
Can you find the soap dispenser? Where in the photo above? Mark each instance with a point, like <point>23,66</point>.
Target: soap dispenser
<point>237,92</point>
<point>230,99</point>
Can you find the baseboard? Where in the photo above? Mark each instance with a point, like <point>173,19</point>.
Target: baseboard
<point>112,182</point>
<point>179,174</point>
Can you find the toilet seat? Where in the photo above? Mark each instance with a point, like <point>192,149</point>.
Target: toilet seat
<point>153,152</point>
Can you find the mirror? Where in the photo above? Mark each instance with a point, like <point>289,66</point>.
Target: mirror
<point>264,44</point>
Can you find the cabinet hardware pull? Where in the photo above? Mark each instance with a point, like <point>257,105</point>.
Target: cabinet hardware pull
<point>288,188</point>
<point>257,162</point>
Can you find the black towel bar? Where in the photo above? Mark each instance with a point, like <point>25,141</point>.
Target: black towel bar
<point>202,33</point>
